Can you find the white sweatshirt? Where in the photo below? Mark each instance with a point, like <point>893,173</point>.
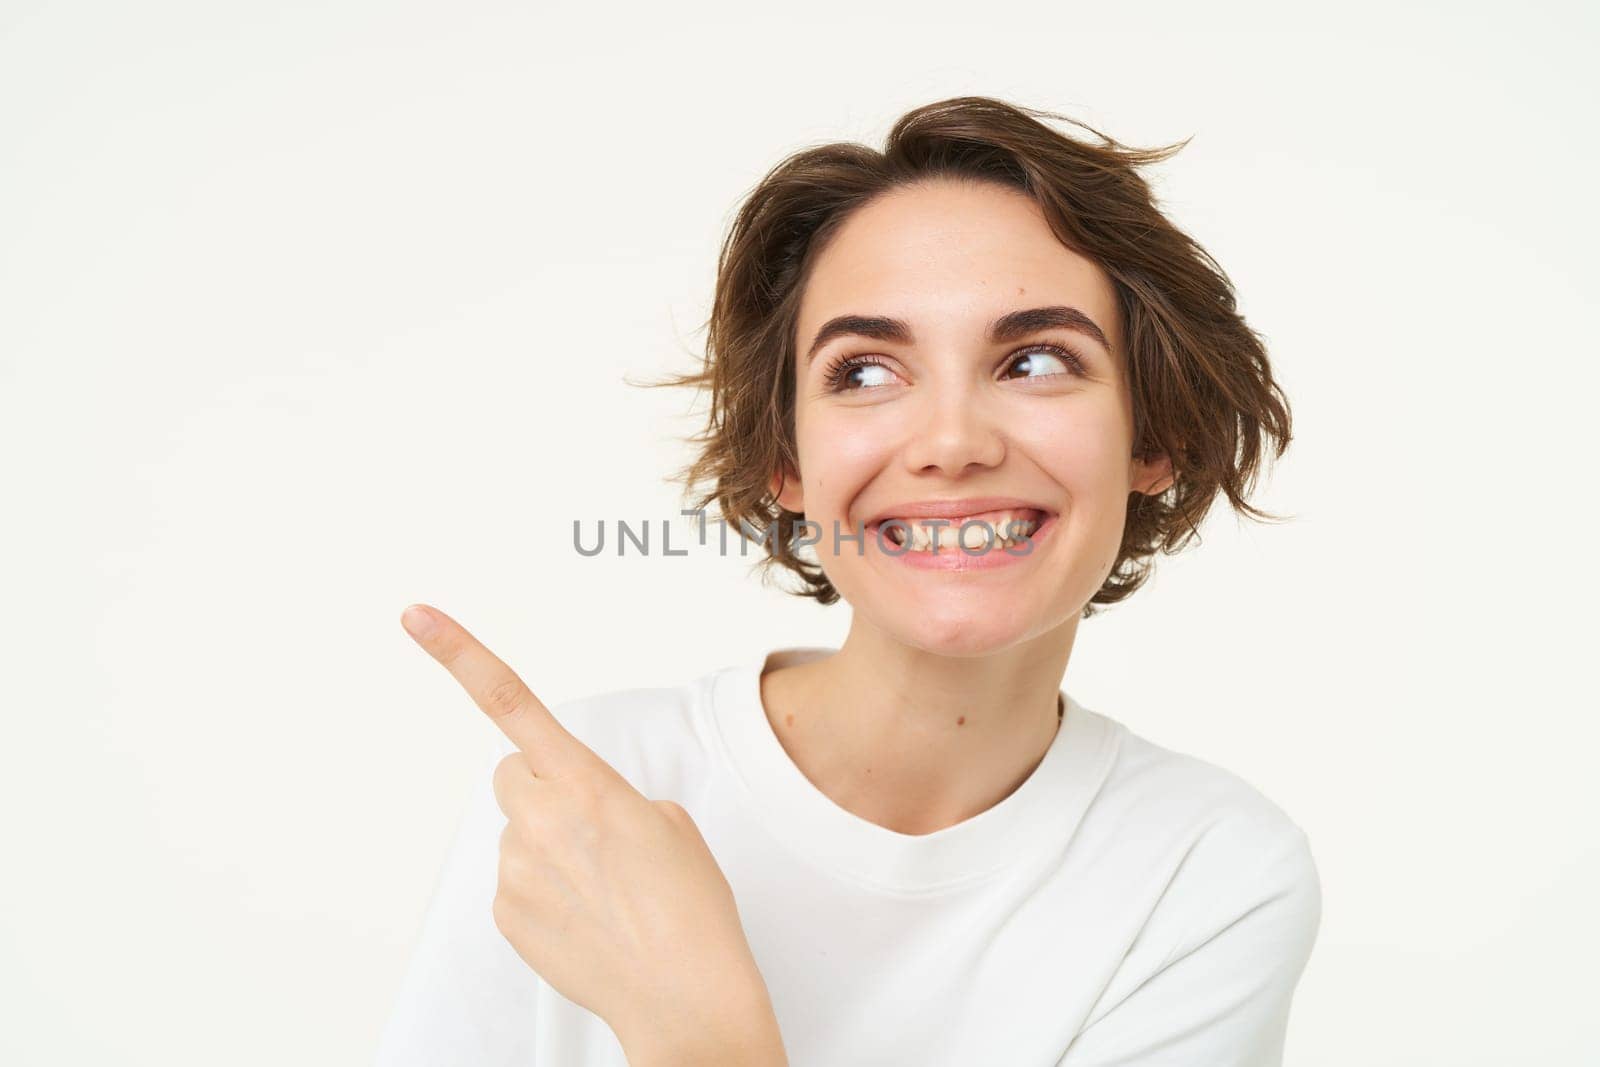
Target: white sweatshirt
<point>1126,905</point>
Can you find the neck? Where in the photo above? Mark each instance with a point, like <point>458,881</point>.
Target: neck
<point>912,740</point>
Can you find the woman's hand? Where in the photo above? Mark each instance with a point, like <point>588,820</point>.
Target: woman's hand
<point>614,899</point>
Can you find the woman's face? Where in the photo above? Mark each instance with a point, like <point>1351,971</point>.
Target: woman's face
<point>943,412</point>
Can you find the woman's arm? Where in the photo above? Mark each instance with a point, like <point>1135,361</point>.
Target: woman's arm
<point>748,1037</point>
<point>466,996</point>
<point>613,900</point>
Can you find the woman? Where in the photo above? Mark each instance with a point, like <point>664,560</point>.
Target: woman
<point>989,380</point>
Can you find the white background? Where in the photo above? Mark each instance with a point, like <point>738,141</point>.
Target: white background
<point>308,311</point>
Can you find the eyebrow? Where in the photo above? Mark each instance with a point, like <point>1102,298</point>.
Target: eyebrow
<point>1008,327</point>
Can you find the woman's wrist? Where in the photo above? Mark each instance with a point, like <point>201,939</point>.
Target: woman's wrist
<point>741,1032</point>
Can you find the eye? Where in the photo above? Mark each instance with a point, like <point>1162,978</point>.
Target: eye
<point>842,373</point>
<point>859,373</point>
<point>1044,359</point>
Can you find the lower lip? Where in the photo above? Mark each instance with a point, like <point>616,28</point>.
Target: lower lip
<point>958,559</point>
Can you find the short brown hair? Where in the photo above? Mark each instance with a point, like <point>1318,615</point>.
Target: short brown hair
<point>1202,390</point>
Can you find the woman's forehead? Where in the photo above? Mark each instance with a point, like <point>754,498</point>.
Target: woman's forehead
<point>949,258</point>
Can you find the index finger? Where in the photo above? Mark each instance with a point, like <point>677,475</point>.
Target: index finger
<point>549,749</point>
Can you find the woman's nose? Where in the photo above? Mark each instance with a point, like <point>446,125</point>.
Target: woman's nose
<point>956,432</point>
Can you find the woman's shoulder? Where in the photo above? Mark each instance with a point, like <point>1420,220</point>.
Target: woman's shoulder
<point>1205,819</point>
<point>1206,847</point>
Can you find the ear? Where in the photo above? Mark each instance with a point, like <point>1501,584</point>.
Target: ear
<point>785,487</point>
<point>1152,476</point>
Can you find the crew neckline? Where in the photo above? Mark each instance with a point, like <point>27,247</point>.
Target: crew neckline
<point>1039,816</point>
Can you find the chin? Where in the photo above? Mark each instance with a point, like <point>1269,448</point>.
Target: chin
<point>968,626</point>
<point>960,636</point>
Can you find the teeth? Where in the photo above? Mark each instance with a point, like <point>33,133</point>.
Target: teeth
<point>1008,528</point>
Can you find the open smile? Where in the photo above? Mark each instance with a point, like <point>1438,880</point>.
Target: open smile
<point>1000,537</point>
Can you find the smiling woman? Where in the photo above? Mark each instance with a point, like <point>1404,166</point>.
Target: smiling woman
<point>985,357</point>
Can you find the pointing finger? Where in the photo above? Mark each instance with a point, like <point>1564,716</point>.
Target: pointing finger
<point>550,750</point>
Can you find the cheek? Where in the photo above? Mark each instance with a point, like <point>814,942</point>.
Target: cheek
<point>1086,452</point>
<point>840,448</point>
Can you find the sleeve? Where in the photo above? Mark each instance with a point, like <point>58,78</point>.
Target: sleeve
<point>466,996</point>
<point>1222,998</point>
